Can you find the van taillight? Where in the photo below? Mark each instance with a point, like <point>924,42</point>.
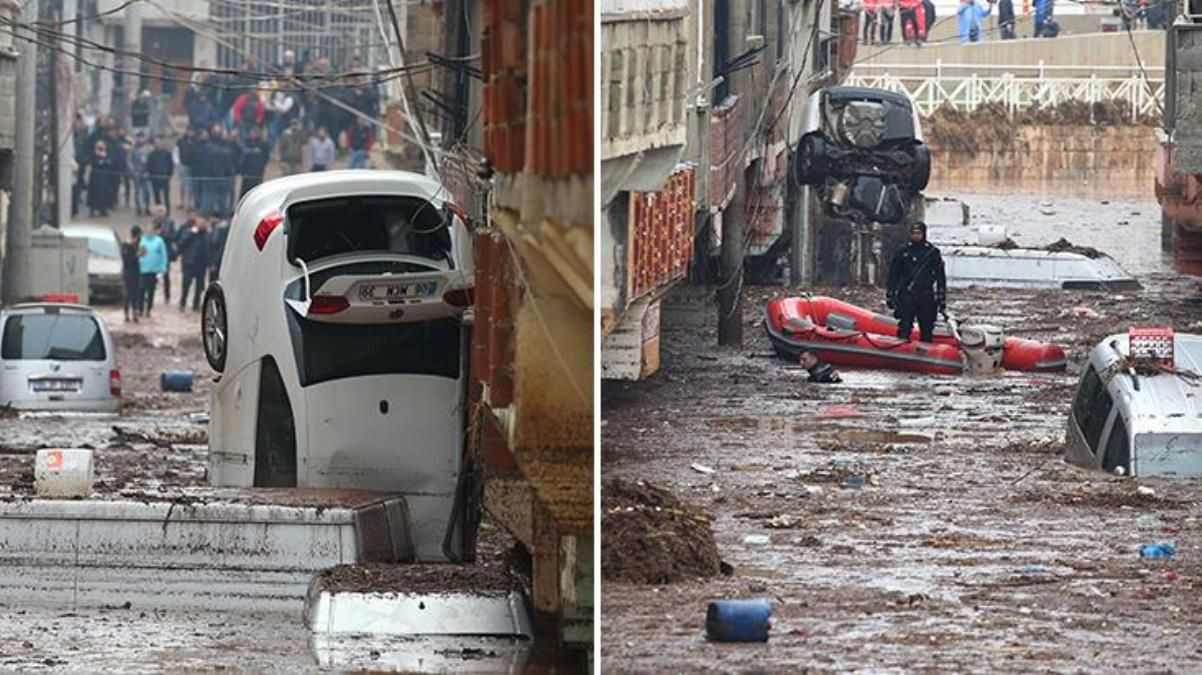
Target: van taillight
<point>458,211</point>
<point>115,382</point>
<point>328,304</point>
<point>265,228</point>
<point>459,297</point>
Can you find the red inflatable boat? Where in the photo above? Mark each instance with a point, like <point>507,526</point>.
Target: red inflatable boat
<point>844,334</point>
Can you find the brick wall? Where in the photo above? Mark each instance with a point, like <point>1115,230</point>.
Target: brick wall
<point>661,235</point>
<point>725,144</point>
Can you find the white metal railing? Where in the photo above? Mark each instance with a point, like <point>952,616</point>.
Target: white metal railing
<point>933,86</point>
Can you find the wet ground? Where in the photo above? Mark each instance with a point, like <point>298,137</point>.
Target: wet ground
<point>969,545</point>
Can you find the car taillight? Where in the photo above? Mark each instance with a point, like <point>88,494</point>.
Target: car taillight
<point>115,382</point>
<point>266,226</point>
<point>328,304</point>
<point>459,297</point>
<point>458,211</point>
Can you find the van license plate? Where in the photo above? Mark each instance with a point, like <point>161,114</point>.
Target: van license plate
<point>56,385</point>
<point>395,292</point>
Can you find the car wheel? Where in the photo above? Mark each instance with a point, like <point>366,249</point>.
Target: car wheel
<point>922,168</point>
<point>214,327</point>
<point>813,159</point>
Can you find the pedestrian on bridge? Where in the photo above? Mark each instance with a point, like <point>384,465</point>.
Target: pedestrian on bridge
<point>971,14</point>
<point>917,286</point>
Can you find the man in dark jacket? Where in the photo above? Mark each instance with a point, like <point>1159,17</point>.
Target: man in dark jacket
<point>163,224</point>
<point>160,165</point>
<point>193,247</point>
<point>219,232</point>
<point>1005,18</point>
<point>222,170</point>
<point>819,371</point>
<point>255,155</point>
<point>917,286</point>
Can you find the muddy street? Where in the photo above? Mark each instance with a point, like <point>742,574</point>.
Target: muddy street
<point>912,522</point>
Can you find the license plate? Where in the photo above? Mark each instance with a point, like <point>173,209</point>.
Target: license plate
<point>396,291</point>
<point>56,385</point>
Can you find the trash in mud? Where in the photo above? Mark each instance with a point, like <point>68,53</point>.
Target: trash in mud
<point>1082,312</point>
<point>1044,446</point>
<point>1163,549</point>
<point>738,620</point>
<point>701,468</point>
<point>1036,569</point>
<point>1172,575</point>
<point>1063,245</point>
<point>176,381</point>
<point>757,539</point>
<point>160,437</point>
<point>650,536</point>
<point>782,522</point>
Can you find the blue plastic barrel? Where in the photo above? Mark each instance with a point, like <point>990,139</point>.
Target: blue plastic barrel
<point>176,380</point>
<point>738,620</point>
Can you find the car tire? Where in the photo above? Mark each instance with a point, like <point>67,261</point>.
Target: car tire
<point>214,327</point>
<point>813,159</point>
<point>922,168</point>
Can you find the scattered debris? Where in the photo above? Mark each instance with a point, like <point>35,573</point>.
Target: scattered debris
<point>1145,491</point>
<point>738,620</point>
<point>757,539</point>
<point>1163,549</point>
<point>1063,245</point>
<point>649,536</point>
<point>701,468</point>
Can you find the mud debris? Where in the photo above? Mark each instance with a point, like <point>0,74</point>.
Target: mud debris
<point>650,536</point>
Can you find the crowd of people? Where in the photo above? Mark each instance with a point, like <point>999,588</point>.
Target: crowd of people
<point>299,112</point>
<point>918,16</point>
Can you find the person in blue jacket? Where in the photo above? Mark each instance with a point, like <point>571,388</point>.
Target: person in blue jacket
<point>151,263</point>
<point>970,15</point>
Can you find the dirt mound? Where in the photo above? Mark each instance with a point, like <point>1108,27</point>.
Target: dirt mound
<point>649,536</point>
<point>132,341</point>
<point>1064,245</point>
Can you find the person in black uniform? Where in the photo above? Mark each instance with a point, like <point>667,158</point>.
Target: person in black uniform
<point>917,287</point>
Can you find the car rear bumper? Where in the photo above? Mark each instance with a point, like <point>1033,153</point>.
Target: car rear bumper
<point>111,405</point>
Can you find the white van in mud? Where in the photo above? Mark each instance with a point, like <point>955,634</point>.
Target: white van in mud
<point>1138,425</point>
<point>57,357</point>
<point>337,328</point>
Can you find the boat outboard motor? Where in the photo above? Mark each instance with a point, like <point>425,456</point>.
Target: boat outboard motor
<point>982,345</point>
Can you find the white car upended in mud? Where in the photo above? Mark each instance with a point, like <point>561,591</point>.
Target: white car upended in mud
<point>1138,425</point>
<point>338,329</point>
<point>863,154</point>
<point>57,357</point>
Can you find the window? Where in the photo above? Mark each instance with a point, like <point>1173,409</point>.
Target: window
<point>1083,409</point>
<point>1118,447</point>
<point>52,336</point>
<point>331,351</point>
<point>105,248</point>
<point>328,227</point>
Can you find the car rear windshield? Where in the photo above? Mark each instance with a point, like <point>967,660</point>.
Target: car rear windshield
<point>105,248</point>
<point>58,337</point>
<point>331,351</point>
<point>328,227</point>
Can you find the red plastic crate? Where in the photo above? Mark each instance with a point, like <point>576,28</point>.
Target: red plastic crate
<point>1152,344</point>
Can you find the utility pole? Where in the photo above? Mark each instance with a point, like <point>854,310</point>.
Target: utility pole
<point>55,165</point>
<point>132,40</point>
<point>730,302</point>
<point>17,269</point>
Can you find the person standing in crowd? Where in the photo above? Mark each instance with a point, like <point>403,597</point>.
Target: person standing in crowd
<point>139,114</point>
<point>248,113</point>
<point>79,137</point>
<point>1043,12</point>
<point>194,258</point>
<point>928,14</point>
<point>160,165</point>
<point>254,158</point>
<point>282,110</point>
<point>1005,19</point>
<point>287,64</point>
<point>102,181</point>
<point>223,170</point>
<point>152,263</point>
<point>219,229</point>
<point>202,167</point>
<point>292,148</point>
<point>131,273</point>
<point>913,24</point>
<point>183,154</point>
<point>360,143</point>
<point>163,224</point>
<point>888,14</point>
<point>321,151</point>
<point>970,16</point>
<point>138,157</point>
<point>201,108</point>
<point>871,10</point>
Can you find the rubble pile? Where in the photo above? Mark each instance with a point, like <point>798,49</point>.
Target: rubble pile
<point>650,536</point>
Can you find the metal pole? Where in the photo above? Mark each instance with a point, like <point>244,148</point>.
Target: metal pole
<point>730,305</point>
<point>56,203</point>
<point>17,271</point>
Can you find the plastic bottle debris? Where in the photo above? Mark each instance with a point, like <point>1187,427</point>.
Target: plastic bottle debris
<point>855,481</point>
<point>1163,549</point>
<point>1036,569</point>
<point>738,620</point>
<point>757,539</point>
<point>1145,491</point>
<point>701,468</point>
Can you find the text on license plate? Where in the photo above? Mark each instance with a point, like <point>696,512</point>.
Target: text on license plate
<point>56,385</point>
<point>408,290</point>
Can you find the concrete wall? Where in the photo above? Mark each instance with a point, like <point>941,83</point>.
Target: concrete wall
<point>1089,160</point>
<point>1087,51</point>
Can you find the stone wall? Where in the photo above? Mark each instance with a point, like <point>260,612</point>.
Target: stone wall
<point>1059,159</point>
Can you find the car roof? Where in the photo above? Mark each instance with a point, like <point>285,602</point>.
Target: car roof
<point>89,230</point>
<point>1165,402</point>
<point>868,93</point>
